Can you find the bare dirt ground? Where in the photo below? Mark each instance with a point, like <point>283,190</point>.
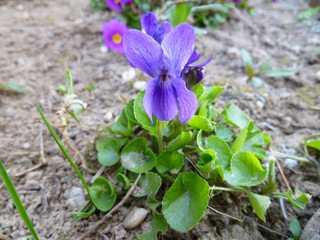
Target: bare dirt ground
<point>40,40</point>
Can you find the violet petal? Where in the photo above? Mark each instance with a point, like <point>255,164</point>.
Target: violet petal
<point>187,99</point>
<point>178,46</point>
<point>143,52</point>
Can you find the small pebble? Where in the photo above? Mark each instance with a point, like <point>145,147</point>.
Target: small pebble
<point>107,117</point>
<point>128,75</point>
<point>260,105</point>
<point>139,85</point>
<point>134,218</point>
<point>32,184</point>
<point>26,145</point>
<point>103,49</point>
<point>318,76</point>
<point>20,7</point>
<point>77,199</point>
<point>234,52</point>
<point>291,163</point>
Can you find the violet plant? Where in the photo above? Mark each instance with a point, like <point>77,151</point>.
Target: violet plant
<point>172,142</point>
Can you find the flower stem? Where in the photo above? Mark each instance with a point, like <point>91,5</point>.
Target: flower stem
<point>159,123</point>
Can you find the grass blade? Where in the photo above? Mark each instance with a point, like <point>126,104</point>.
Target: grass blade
<point>16,200</point>
<point>63,149</point>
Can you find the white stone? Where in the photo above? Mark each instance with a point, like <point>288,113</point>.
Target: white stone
<point>77,199</point>
<point>128,75</point>
<point>139,85</point>
<point>260,105</point>
<point>103,49</point>
<point>291,163</point>
<point>134,218</point>
<point>234,52</point>
<point>318,76</point>
<point>107,117</point>
<point>20,7</point>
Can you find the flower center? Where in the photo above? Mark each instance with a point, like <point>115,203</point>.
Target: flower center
<point>164,77</point>
<point>116,38</point>
<point>117,1</point>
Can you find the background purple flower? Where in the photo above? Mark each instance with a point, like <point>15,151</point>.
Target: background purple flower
<point>150,25</point>
<point>115,5</point>
<point>113,32</point>
<point>166,93</point>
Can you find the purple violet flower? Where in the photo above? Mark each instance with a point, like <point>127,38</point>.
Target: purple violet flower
<point>191,74</point>
<point>113,32</point>
<point>150,25</point>
<point>164,62</point>
<point>115,5</point>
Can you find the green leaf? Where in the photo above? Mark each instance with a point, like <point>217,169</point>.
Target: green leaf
<point>199,30</point>
<point>158,224</point>
<point>260,204</point>
<point>64,151</point>
<point>314,144</point>
<point>136,157</point>
<point>150,183</point>
<point>83,213</point>
<point>265,67</point>
<point>13,86</point>
<point>271,186</point>
<point>90,87</point>
<point>169,161</point>
<point>76,108</point>
<point>129,109</point>
<point>184,203</point>
<point>210,7</point>
<point>249,70</point>
<point>102,194</point>
<point>295,228</point>
<point>245,170</point>
<point>16,200</point>
<point>207,161</point>
<point>278,73</point>
<point>246,57</point>
<point>306,14</point>
<point>123,125</point>
<point>211,93</point>
<point>124,179</point>
<point>199,122</point>
<point>235,116</point>
<point>221,149</point>
<point>180,141</point>
<point>180,14</point>
<point>69,83</point>
<point>299,199</point>
<point>250,139</point>
<point>141,115</point>
<point>241,138</point>
<point>108,151</point>
<point>256,82</point>
<point>199,141</point>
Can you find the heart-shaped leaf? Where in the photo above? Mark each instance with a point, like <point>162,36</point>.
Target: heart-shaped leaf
<point>235,116</point>
<point>179,142</point>
<point>245,170</point>
<point>169,161</point>
<point>184,203</point>
<point>223,153</point>
<point>260,204</point>
<point>108,150</point>
<point>199,122</point>
<point>150,184</point>
<point>102,194</point>
<point>136,156</point>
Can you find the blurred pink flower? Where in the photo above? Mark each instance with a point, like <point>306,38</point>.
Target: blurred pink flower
<point>113,32</point>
